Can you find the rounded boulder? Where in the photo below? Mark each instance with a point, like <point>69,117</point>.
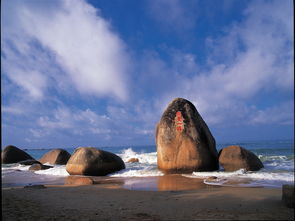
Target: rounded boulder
<point>38,166</point>
<point>184,141</point>
<point>56,156</point>
<point>90,161</point>
<point>234,157</point>
<point>12,154</point>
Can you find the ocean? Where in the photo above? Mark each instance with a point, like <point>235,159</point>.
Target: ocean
<point>277,157</point>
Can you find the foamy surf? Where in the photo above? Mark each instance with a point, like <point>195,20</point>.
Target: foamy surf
<point>57,170</point>
<point>278,169</point>
<point>144,158</point>
<point>146,167</point>
<point>245,178</point>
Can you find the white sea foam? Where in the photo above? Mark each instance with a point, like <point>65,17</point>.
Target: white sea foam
<point>246,178</point>
<point>147,165</point>
<point>57,170</point>
<point>278,162</point>
<point>15,166</point>
<point>138,172</point>
<point>278,169</point>
<point>148,158</point>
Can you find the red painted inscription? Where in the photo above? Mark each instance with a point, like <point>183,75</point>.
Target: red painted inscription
<point>179,124</point>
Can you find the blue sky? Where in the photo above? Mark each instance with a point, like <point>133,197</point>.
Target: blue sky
<point>101,73</point>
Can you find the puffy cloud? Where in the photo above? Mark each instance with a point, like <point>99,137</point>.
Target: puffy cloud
<point>80,121</point>
<point>281,114</point>
<point>253,56</point>
<point>73,38</point>
<point>54,49</point>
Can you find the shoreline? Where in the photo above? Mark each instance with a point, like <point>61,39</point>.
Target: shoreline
<point>109,199</point>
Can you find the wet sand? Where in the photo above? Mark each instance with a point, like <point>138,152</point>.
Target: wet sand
<point>169,198</point>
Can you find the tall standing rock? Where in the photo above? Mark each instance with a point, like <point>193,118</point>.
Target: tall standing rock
<point>12,154</point>
<point>90,161</point>
<point>56,156</point>
<point>184,141</point>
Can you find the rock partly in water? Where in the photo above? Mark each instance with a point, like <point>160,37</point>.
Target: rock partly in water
<point>56,156</point>
<point>184,141</point>
<point>38,166</point>
<point>90,161</point>
<point>29,162</point>
<point>288,195</point>
<point>233,158</point>
<point>133,160</point>
<point>12,154</point>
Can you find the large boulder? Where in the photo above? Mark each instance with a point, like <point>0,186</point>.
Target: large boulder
<point>233,158</point>
<point>90,161</point>
<point>12,154</point>
<point>56,156</point>
<point>184,141</point>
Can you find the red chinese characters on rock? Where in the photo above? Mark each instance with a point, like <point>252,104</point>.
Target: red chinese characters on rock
<point>179,124</point>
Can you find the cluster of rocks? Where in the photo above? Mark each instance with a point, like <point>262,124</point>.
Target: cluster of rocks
<point>87,161</point>
<point>12,154</point>
<point>185,144</point>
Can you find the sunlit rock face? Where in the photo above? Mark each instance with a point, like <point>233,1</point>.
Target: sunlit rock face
<point>184,141</point>
<point>90,161</point>
<point>56,156</point>
<point>234,157</point>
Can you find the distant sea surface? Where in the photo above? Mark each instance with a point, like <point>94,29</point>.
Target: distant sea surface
<point>277,157</point>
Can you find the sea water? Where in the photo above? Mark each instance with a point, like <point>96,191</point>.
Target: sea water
<point>277,157</point>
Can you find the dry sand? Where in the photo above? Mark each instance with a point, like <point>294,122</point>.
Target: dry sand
<point>107,200</point>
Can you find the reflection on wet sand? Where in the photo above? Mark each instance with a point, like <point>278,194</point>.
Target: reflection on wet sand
<point>178,182</point>
<point>164,183</point>
<point>173,182</point>
<point>78,180</point>
<point>90,180</point>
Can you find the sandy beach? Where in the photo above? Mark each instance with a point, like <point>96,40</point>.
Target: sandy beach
<point>110,199</point>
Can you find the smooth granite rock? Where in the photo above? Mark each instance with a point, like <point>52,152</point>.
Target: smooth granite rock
<point>233,158</point>
<point>12,154</point>
<point>56,156</point>
<point>90,161</point>
<point>38,166</point>
<point>184,141</point>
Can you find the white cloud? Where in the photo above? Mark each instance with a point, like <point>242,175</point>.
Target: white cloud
<point>91,56</point>
<point>77,122</point>
<point>281,114</point>
<point>65,48</point>
<point>11,110</point>
<point>253,56</point>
